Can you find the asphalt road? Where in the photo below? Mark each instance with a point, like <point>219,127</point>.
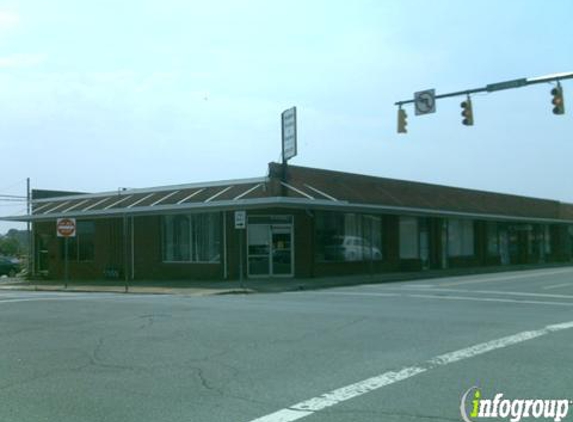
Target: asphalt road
<point>391,352</point>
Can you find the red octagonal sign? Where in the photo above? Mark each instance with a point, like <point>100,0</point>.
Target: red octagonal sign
<point>66,227</point>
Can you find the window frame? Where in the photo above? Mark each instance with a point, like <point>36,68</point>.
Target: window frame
<point>404,219</point>
<point>217,217</point>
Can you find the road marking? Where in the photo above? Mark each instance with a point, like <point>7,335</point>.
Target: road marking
<point>318,403</point>
<point>471,298</point>
<point>557,286</point>
<point>511,277</point>
<point>491,299</point>
<point>36,299</point>
<point>70,296</point>
<point>343,293</point>
<point>498,292</point>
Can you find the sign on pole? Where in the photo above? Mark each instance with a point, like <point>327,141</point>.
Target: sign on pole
<point>425,101</point>
<point>240,219</point>
<point>516,83</point>
<point>66,227</point>
<point>288,119</point>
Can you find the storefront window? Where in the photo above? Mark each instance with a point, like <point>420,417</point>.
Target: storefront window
<point>409,239</point>
<point>460,237</point>
<point>547,240</point>
<point>348,237</point>
<point>492,238</point>
<point>191,238</point>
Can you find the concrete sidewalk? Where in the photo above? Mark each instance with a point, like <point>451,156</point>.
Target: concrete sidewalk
<point>92,287</point>
<point>270,285</point>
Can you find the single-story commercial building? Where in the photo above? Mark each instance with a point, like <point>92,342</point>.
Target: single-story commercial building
<point>300,222</point>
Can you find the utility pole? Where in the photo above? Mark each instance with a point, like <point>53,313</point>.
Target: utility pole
<point>30,260</point>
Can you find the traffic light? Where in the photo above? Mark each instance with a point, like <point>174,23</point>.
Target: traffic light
<point>402,123</point>
<point>557,100</point>
<point>467,112</point>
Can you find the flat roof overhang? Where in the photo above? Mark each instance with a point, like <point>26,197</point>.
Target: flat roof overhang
<point>278,201</point>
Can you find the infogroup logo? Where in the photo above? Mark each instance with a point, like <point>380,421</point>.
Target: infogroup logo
<point>474,407</point>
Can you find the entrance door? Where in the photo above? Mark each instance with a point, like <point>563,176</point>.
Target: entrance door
<point>281,250</point>
<point>270,247</point>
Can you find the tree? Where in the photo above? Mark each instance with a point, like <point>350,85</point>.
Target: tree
<point>9,246</point>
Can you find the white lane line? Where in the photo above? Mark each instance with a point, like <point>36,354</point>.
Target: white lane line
<point>452,297</point>
<point>557,286</point>
<point>315,404</point>
<point>504,278</point>
<point>71,296</point>
<point>495,292</point>
<point>342,293</point>
<point>36,299</point>
<point>491,299</point>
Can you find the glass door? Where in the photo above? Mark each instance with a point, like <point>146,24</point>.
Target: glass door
<point>259,247</point>
<point>270,246</point>
<point>281,263</point>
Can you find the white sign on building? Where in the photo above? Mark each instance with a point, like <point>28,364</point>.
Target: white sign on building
<point>288,118</point>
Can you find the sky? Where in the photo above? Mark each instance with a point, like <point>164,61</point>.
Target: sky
<point>95,96</point>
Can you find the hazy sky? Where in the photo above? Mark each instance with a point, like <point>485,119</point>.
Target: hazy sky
<point>106,94</point>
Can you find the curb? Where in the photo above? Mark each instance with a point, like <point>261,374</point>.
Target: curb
<point>135,290</point>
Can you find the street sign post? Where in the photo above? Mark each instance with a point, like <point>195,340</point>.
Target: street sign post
<point>425,101</point>
<point>288,126</point>
<point>66,228</point>
<point>241,225</point>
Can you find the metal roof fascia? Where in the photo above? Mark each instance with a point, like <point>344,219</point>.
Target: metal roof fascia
<point>119,201</point>
<point>56,207</point>
<point>245,193</point>
<point>140,200</point>
<point>47,204</point>
<point>286,185</point>
<point>157,209</point>
<point>156,189</point>
<point>101,201</point>
<point>435,213</point>
<point>163,198</point>
<point>288,202</point>
<point>76,205</point>
<point>321,192</point>
<point>221,192</point>
<point>190,196</point>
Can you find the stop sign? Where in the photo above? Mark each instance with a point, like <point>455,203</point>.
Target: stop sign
<point>66,227</point>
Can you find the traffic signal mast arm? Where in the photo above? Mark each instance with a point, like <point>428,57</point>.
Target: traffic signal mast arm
<point>499,86</point>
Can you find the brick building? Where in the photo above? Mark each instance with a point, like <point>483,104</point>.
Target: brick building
<point>300,223</point>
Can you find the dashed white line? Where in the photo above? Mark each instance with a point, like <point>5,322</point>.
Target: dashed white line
<point>504,278</point>
<point>491,299</point>
<point>494,292</point>
<point>557,286</point>
<point>456,297</point>
<point>318,403</point>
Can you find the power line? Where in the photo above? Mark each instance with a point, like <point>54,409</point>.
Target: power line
<point>13,185</point>
<point>2,195</point>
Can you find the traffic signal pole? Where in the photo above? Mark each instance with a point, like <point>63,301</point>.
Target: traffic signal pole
<point>499,86</point>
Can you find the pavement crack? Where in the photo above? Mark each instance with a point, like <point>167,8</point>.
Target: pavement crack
<point>95,359</point>
<point>204,382</point>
